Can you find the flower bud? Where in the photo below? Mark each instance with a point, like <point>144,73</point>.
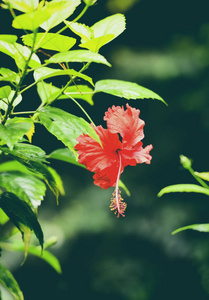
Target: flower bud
<point>186,162</point>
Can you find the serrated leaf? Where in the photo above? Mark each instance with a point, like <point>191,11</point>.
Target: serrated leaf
<point>187,188</point>
<point>125,89</point>
<point>21,215</point>
<point>9,75</point>
<point>60,10</point>
<point>27,187</point>
<point>9,282</point>
<point>44,73</point>
<point>31,21</point>
<point>96,43</point>
<point>50,41</point>
<point>197,227</point>
<point>65,154</point>
<point>23,5</point>
<point>14,130</point>
<point>82,30</point>
<point>78,56</point>
<point>10,38</point>
<point>66,127</point>
<point>202,175</point>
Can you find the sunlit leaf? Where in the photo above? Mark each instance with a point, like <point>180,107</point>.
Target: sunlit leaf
<point>10,38</point>
<point>60,10</point>
<point>21,214</point>
<point>66,127</point>
<point>30,21</point>
<point>3,218</point>
<point>96,43</point>
<point>9,282</point>
<point>5,92</point>
<point>9,75</point>
<point>50,41</point>
<point>47,91</point>
<point>188,188</point>
<point>82,30</point>
<point>27,187</point>
<point>125,89</point>
<point>78,56</point>
<point>203,175</point>
<point>197,227</point>
<point>58,180</point>
<point>44,73</point>
<point>14,130</point>
<point>5,101</point>
<point>82,92</point>
<point>23,5</point>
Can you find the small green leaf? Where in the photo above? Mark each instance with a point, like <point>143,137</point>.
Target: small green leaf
<point>78,56</point>
<point>82,30</point>
<point>47,92</point>
<point>9,75</point>
<point>59,10</point>
<point>125,89</point>
<point>50,41</point>
<point>123,186</point>
<point>82,92</point>
<point>14,130</point>
<point>65,154</point>
<point>197,227</point>
<point>21,215</point>
<point>26,186</point>
<point>10,38</point>
<point>3,218</point>
<point>5,101</point>
<point>66,127</point>
<point>44,73</point>
<point>8,280</point>
<point>23,5</point>
<point>188,188</point>
<point>202,175</point>
<point>95,44</point>
<point>31,21</point>
<point>5,92</point>
<point>58,180</point>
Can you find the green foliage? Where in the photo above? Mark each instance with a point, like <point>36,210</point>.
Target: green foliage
<point>25,173</point>
<point>203,188</point>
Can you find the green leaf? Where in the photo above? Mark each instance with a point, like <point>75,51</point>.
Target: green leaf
<point>125,89</point>
<point>202,175</point>
<point>82,92</point>
<point>20,54</point>
<point>31,21</point>
<point>21,215</point>
<point>65,154</point>
<point>198,227</point>
<point>66,127</point>
<point>124,187</point>
<point>27,187</point>
<point>9,75</point>
<point>90,2</point>
<point>23,5</point>
<point>96,43</point>
<point>5,92</point>
<point>14,130</point>
<point>78,56</point>
<point>48,92</point>
<point>46,255</point>
<point>3,218</point>
<point>188,188</point>
<point>82,30</point>
<point>50,41</point>
<point>44,73</point>
<point>57,180</point>
<point>59,10</point>
<point>8,280</point>
<point>4,101</point>
<point>10,38</point>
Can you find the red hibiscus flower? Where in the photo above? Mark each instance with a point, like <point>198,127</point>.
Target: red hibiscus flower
<point>120,146</point>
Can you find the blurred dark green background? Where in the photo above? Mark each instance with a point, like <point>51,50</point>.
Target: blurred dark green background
<point>164,48</point>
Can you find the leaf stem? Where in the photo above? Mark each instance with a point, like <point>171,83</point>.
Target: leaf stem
<point>197,178</point>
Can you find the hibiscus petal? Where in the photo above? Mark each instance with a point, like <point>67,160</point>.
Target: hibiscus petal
<point>107,177</point>
<point>136,155</point>
<point>95,157</point>
<point>127,123</point>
